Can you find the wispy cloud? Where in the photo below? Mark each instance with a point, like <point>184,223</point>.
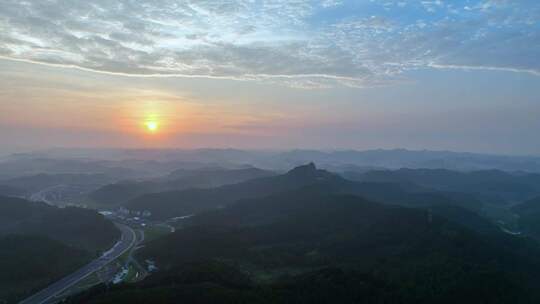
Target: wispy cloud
<point>301,43</point>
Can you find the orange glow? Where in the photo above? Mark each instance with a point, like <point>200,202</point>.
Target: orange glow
<point>159,118</point>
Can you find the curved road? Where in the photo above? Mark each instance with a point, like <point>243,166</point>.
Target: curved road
<point>126,242</point>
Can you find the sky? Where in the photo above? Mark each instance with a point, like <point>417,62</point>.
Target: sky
<point>331,74</point>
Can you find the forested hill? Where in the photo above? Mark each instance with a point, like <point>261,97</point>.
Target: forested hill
<point>309,246</point>
<point>30,262</point>
<point>82,228</point>
<point>180,203</point>
<point>120,192</point>
<point>40,244</point>
<point>492,185</point>
<point>10,191</point>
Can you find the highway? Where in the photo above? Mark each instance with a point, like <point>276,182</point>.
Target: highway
<point>50,294</point>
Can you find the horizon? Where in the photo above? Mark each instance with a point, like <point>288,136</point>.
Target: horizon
<point>260,150</point>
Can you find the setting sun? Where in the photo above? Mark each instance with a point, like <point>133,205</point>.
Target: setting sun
<point>151,126</point>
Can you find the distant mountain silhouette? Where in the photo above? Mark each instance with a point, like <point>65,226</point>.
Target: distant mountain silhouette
<point>39,181</point>
<point>180,203</point>
<point>117,193</point>
<point>492,185</point>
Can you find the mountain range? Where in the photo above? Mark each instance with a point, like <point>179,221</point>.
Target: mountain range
<point>170,204</point>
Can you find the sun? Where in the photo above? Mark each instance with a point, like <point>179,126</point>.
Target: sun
<point>151,126</point>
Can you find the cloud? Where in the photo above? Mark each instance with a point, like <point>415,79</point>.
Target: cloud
<point>283,41</point>
<point>331,3</point>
